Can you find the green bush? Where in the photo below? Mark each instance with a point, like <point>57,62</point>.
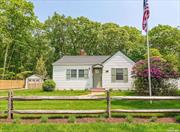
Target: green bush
<point>153,119</point>
<point>17,120</point>
<point>178,118</point>
<point>24,74</point>
<point>7,75</point>
<point>72,119</point>
<point>49,85</point>
<point>160,87</point>
<point>129,118</point>
<point>86,89</point>
<point>101,118</point>
<point>44,119</point>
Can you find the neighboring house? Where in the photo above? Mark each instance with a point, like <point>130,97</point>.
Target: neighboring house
<point>34,81</point>
<point>86,72</point>
<point>176,82</point>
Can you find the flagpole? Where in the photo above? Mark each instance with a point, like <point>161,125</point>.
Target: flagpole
<point>149,66</point>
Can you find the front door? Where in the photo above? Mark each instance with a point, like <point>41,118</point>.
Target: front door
<point>97,77</point>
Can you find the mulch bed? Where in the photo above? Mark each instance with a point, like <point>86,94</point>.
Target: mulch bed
<point>93,120</point>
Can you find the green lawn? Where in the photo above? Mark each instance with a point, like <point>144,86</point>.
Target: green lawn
<point>92,127</point>
<point>40,92</point>
<point>84,105</point>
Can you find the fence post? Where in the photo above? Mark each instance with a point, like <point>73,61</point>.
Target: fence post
<point>108,103</point>
<point>9,105</point>
<point>12,104</point>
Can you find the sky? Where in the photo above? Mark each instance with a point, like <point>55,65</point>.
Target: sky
<point>122,12</point>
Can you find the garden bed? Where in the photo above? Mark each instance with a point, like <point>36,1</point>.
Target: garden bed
<point>92,120</point>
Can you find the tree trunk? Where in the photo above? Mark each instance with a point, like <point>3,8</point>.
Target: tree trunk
<point>5,60</point>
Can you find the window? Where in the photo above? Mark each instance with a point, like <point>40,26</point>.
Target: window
<point>83,73</point>
<point>76,74</point>
<point>37,80</point>
<point>119,75</point>
<point>73,73</point>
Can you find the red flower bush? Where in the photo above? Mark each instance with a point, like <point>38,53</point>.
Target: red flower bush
<point>159,69</point>
<point>161,72</point>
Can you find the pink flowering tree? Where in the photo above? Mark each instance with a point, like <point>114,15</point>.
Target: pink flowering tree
<point>161,73</point>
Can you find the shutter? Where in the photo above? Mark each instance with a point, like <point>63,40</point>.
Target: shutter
<point>68,74</point>
<point>86,73</point>
<point>113,75</point>
<point>125,74</point>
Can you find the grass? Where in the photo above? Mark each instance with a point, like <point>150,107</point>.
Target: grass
<point>40,92</point>
<point>85,105</point>
<point>92,127</point>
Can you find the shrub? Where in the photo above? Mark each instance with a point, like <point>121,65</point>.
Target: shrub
<point>129,118</point>
<point>7,74</point>
<point>44,119</point>
<point>101,118</point>
<point>161,73</point>
<point>153,119</point>
<point>72,119</point>
<point>110,89</point>
<point>178,118</point>
<point>86,89</point>
<point>49,85</point>
<point>24,74</point>
<point>17,120</point>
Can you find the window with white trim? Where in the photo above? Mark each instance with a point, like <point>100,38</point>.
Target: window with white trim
<point>83,73</point>
<point>119,74</point>
<point>77,74</point>
<point>73,73</point>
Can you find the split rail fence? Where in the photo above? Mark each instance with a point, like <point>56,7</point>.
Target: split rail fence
<point>108,109</point>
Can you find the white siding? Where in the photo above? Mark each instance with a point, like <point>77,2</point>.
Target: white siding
<point>176,82</point>
<point>117,61</point>
<point>59,76</point>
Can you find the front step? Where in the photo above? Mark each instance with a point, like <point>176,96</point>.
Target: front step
<point>98,90</point>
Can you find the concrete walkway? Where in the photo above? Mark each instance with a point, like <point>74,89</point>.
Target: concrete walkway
<point>94,94</point>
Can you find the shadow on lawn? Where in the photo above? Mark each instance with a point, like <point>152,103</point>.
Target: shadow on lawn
<point>134,104</point>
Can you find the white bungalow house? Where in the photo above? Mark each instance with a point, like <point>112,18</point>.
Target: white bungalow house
<point>87,72</point>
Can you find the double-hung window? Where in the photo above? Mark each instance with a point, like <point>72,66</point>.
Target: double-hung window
<point>119,75</point>
<point>76,74</point>
<point>83,74</point>
<point>71,74</point>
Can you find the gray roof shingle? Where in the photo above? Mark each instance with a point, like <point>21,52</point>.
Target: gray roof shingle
<point>79,60</point>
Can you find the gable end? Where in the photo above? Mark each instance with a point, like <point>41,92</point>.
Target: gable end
<point>120,54</point>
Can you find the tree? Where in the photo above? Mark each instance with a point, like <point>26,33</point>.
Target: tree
<point>17,19</point>
<point>41,68</point>
<point>153,53</point>
<point>167,40</point>
<point>114,38</point>
<point>68,35</point>
<point>23,39</point>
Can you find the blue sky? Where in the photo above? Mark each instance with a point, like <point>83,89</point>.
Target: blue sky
<point>122,12</point>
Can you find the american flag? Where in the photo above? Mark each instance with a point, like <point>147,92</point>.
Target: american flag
<point>145,15</point>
